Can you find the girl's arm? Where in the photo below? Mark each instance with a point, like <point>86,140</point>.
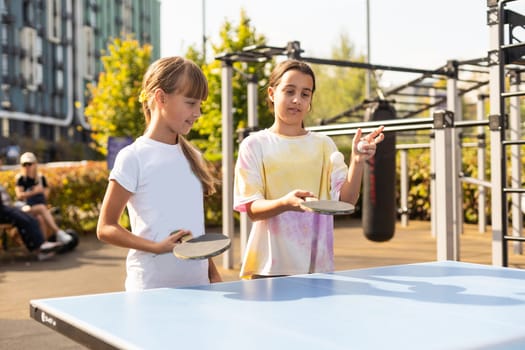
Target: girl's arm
<point>352,186</point>
<point>20,194</point>
<point>110,231</point>
<point>23,195</point>
<point>213,273</point>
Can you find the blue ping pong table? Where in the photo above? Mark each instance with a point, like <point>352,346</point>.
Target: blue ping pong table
<point>436,305</point>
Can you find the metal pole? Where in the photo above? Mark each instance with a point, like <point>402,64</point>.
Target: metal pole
<point>368,76</point>
<point>404,187</point>
<point>433,189</point>
<point>228,227</point>
<point>253,120</point>
<point>457,202</point>
<point>204,30</point>
<point>515,158</point>
<point>496,124</point>
<point>482,217</point>
<point>444,128</point>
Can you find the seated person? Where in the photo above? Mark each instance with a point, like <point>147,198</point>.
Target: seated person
<point>27,227</point>
<point>31,188</point>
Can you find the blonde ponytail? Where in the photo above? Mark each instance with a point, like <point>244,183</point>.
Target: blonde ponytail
<point>198,165</point>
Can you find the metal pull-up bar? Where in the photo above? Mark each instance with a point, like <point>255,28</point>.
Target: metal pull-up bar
<point>263,53</point>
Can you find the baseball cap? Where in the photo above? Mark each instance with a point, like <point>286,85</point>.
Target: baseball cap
<point>27,157</point>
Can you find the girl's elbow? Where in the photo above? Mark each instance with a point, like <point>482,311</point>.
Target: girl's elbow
<point>351,199</point>
<point>102,234</point>
<point>253,217</point>
<point>354,199</point>
<point>249,212</point>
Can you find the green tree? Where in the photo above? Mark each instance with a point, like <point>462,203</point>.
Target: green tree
<point>207,133</point>
<point>338,88</point>
<point>113,108</point>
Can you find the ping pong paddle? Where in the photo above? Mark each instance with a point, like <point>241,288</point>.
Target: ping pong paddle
<point>202,247</point>
<point>328,207</point>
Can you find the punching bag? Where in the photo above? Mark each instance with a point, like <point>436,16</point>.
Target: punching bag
<point>379,180</point>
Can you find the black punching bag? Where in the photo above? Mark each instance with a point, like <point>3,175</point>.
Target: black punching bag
<point>379,180</point>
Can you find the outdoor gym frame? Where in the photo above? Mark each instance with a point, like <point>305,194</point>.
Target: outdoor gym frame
<point>446,192</point>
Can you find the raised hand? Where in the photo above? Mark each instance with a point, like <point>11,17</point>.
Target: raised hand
<point>364,147</point>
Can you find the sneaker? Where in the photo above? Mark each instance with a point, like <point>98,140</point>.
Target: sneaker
<point>63,237</point>
<point>48,247</point>
<point>45,256</point>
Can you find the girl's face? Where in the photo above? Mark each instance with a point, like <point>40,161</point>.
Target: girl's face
<point>177,113</point>
<point>292,98</point>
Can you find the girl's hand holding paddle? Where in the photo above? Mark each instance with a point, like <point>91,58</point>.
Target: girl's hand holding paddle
<point>176,237</point>
<point>294,199</point>
<point>262,209</point>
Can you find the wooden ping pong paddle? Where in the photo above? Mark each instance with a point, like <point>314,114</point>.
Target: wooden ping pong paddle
<point>328,207</point>
<point>202,247</point>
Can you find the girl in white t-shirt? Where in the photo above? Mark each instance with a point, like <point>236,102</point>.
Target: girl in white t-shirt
<point>161,179</point>
<point>277,168</point>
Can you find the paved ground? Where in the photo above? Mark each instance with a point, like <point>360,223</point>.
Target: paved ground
<point>95,267</point>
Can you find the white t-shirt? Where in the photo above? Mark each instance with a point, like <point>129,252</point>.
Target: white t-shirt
<point>166,196</point>
<point>269,166</point>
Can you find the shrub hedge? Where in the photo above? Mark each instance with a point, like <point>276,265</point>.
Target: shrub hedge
<point>77,190</point>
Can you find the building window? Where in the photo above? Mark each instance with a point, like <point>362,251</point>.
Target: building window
<point>69,13</point>
<point>90,17</point>
<point>5,65</point>
<point>39,78</point>
<point>89,49</point>
<point>28,13</point>
<point>58,55</point>
<point>4,7</point>
<point>6,98</point>
<point>127,16</point>
<point>5,127</point>
<point>59,80</point>
<point>28,44</point>
<point>38,17</point>
<point>54,21</point>
<point>5,35</point>
<point>57,101</point>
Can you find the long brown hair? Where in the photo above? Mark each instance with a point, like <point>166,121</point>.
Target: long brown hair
<point>180,75</point>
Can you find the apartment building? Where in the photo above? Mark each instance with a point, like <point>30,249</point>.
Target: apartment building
<point>49,51</point>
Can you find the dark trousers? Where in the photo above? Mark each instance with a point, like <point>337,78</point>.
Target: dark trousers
<point>27,226</point>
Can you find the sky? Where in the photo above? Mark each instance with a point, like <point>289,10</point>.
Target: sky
<point>403,33</point>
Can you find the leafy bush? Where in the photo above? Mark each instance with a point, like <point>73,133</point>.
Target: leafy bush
<point>76,190</point>
<point>419,183</point>
<point>420,177</point>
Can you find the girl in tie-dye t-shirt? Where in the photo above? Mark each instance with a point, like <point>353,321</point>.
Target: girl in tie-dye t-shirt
<point>279,167</point>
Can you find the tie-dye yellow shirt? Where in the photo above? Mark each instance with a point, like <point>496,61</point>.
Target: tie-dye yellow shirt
<point>268,167</point>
